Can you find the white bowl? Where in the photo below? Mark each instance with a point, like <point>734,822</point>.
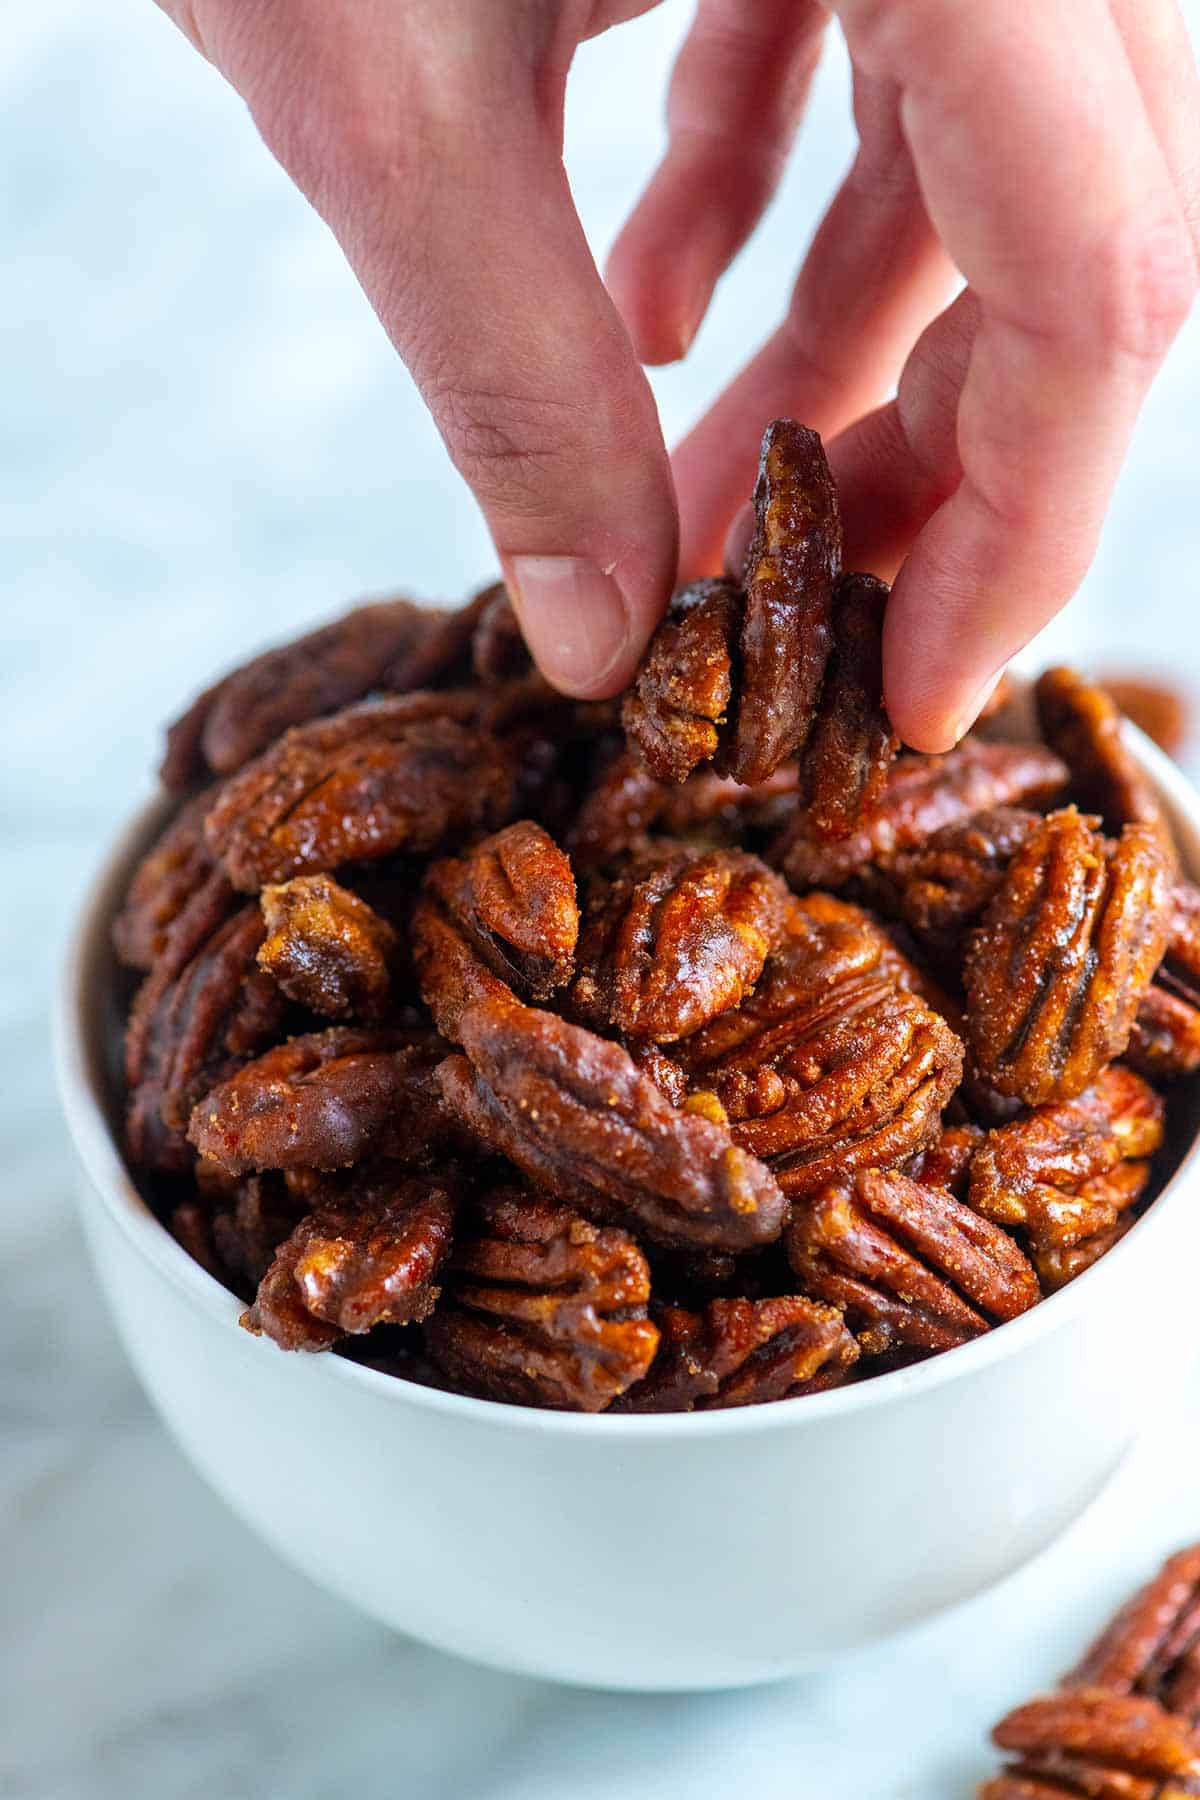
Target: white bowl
<point>683,1551</point>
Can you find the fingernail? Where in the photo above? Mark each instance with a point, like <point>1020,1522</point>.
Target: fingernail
<point>737,541</point>
<point>574,616</point>
<point>976,704</point>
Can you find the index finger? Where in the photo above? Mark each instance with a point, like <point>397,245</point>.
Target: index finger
<point>1044,178</point>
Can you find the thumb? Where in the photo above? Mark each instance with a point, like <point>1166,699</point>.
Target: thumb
<point>471,252</point>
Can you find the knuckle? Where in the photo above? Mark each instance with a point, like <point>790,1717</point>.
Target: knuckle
<point>1145,286</point>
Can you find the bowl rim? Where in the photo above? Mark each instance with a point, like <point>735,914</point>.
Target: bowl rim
<point>113,1187</point>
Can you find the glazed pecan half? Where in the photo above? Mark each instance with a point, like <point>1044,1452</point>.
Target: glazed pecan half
<point>388,775</point>
<point>675,941</point>
<point>1065,1174</point>
<point>325,1101</point>
<point>391,644</point>
<point>940,888</point>
<point>677,713</point>
<point>1166,1033</point>
<point>831,1064</point>
<point>326,948</point>
<point>908,1264</point>
<point>1084,725</point>
<point>852,745</point>
<point>1090,1742</point>
<point>1152,1647</point>
<point>369,1253</point>
<point>202,1012</point>
<point>543,1308</point>
<point>922,795</point>
<point>743,1352</point>
<point>170,873</point>
<point>1067,948</point>
<point>576,1115</point>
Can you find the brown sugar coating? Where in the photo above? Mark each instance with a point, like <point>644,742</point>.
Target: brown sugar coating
<point>697,1050</point>
<point>1067,948</point>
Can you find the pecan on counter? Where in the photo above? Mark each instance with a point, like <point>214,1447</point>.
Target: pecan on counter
<point>325,1101</point>
<point>908,1264</point>
<point>742,1353</point>
<point>326,948</point>
<point>675,940</point>
<point>542,1307</point>
<point>1152,1646</point>
<point>368,1253</point>
<point>387,775</point>
<point>576,1115</point>
<point>1067,948</point>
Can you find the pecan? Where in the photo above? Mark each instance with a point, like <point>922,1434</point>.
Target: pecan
<point>253,1216</point>
<point>327,948</point>
<point>946,1162</point>
<point>685,708</point>
<point>1152,1647</point>
<point>908,1264</point>
<point>1089,1741</point>
<point>831,1065</point>
<point>386,644</point>
<point>577,1116</point>
<point>1065,1173</point>
<point>671,943</point>
<point>1057,970</point>
<point>852,744</point>
<point>741,1353</point>
<point>368,1254</point>
<point>384,776</point>
<point>498,651</point>
<point>922,795</point>
<point>675,715</point>
<point>1082,723</point>
<point>543,1308</point>
<point>1156,708</point>
<point>325,1101</point>
<point>1166,1033</point>
<point>202,1012</point>
<point>166,879</point>
<point>940,888</point>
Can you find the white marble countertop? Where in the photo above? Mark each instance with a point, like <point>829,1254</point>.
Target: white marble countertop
<point>205,443</point>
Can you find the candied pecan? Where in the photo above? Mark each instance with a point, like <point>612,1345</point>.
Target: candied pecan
<point>741,1353</point>
<point>1166,1033</point>
<point>543,1307</point>
<point>170,873</point>
<point>1089,1741</point>
<point>673,942</point>
<point>254,1214</point>
<point>941,887</point>
<point>368,1254</point>
<point>192,1229</point>
<point>1152,1646</point>
<point>676,712</point>
<point>621,803</point>
<point>1082,723</point>
<point>502,918</point>
<point>326,1100</point>
<point>946,1162</point>
<point>923,794</point>
<point>852,744</point>
<point>1067,947</point>
<point>908,1264</point>
<point>1066,1172</point>
<point>1155,707</point>
<point>831,1064</point>
<point>202,1012</point>
<point>386,644</point>
<point>577,1116</point>
<point>498,651</point>
<point>387,775</point>
<point>326,948</point>
<point>666,1074</point>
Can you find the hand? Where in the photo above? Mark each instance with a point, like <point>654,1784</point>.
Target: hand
<point>1053,153</point>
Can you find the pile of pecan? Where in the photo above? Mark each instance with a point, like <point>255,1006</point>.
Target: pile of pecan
<point>688,1052</point>
<point>1125,1723</point>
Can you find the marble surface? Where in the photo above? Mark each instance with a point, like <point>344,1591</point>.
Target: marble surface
<point>204,444</point>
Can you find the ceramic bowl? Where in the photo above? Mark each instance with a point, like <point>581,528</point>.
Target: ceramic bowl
<point>672,1552</point>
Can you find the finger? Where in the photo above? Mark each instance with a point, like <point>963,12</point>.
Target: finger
<point>1160,53</point>
<point>872,278</point>
<point>736,98</point>
<point>467,243</point>
<point>1054,197</point>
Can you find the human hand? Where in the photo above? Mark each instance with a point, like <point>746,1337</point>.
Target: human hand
<point>1050,153</point>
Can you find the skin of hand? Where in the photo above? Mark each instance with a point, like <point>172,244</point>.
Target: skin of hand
<point>1050,155</point>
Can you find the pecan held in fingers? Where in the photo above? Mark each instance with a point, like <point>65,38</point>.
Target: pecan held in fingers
<point>677,710</point>
<point>852,744</point>
<point>543,1308</point>
<point>1067,948</point>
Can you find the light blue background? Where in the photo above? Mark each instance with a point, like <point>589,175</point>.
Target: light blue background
<point>205,444</point>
